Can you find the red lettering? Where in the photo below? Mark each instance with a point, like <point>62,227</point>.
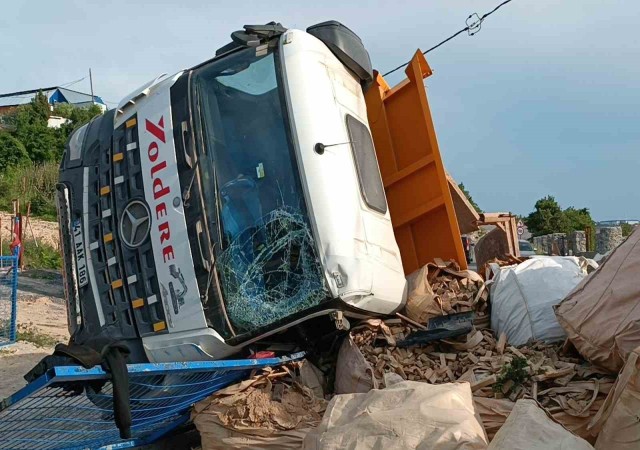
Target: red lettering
<point>152,151</point>
<point>161,210</point>
<point>165,234</point>
<point>158,189</point>
<point>156,130</point>
<point>167,253</point>
<point>158,167</point>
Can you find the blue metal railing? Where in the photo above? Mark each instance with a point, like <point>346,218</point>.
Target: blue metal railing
<point>71,407</point>
<point>8,297</point>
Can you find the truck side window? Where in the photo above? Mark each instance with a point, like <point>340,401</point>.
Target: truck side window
<point>364,155</point>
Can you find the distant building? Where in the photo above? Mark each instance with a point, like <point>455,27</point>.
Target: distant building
<point>56,121</point>
<point>617,222</point>
<point>55,95</point>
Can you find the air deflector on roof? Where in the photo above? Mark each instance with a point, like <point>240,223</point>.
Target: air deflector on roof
<point>347,47</point>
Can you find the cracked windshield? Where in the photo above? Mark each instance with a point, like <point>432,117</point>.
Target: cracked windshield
<point>268,265</point>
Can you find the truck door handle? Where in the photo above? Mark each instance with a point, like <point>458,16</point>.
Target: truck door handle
<point>184,128</point>
<point>200,231</point>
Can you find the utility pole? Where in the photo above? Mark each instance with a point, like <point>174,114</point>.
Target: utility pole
<point>91,83</point>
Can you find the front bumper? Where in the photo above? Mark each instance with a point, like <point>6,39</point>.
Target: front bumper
<point>69,271</point>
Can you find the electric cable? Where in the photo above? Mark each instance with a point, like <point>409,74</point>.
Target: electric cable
<point>25,94</point>
<point>73,82</point>
<point>472,28</point>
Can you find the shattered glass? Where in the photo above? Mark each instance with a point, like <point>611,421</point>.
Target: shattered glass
<point>266,258</point>
<point>271,271</point>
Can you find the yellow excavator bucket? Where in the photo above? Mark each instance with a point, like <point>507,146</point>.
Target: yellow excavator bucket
<point>414,177</point>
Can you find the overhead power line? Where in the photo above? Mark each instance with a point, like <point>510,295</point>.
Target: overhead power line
<point>474,25</point>
<point>24,94</point>
<point>73,82</point>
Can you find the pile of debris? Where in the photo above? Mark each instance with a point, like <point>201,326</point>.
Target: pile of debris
<point>275,407</point>
<point>435,347</point>
<point>442,289</point>
<point>545,372</point>
<point>504,260</point>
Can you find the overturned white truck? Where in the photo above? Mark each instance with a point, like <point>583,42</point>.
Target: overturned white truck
<point>230,201</point>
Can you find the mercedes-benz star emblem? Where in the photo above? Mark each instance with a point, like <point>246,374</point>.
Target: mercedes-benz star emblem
<point>135,223</point>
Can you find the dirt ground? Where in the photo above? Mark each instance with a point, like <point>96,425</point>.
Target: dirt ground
<point>42,321</point>
<point>42,230</point>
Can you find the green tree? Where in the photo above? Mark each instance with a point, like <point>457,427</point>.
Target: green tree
<point>473,203</point>
<point>580,220</point>
<point>626,229</point>
<point>12,152</point>
<point>547,218</point>
<point>42,143</point>
<point>78,116</point>
<point>33,131</point>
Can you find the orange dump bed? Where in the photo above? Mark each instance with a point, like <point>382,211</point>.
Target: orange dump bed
<point>414,177</point>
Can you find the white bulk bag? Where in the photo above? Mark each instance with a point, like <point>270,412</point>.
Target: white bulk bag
<point>523,296</point>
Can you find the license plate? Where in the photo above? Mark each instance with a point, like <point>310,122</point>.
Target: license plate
<point>81,260</point>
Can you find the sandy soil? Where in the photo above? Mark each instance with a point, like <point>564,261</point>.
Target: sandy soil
<point>44,315</point>
<point>15,361</point>
<point>41,309</point>
<point>43,230</point>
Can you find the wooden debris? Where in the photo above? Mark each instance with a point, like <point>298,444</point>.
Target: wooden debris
<point>507,260</point>
<point>501,343</point>
<point>412,322</point>
<point>441,288</point>
<point>553,374</point>
<point>488,381</point>
<point>559,382</point>
<point>506,387</point>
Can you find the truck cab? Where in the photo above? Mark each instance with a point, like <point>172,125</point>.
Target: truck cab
<point>230,201</point>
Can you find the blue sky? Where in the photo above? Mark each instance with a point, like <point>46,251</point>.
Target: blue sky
<point>544,100</point>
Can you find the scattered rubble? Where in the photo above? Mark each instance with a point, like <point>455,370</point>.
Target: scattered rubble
<point>442,288</point>
<point>272,409</point>
<point>562,382</point>
<point>504,260</point>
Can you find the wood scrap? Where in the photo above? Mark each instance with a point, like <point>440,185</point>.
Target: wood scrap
<point>412,322</point>
<point>441,288</point>
<point>270,400</point>
<point>488,381</point>
<point>506,260</point>
<point>553,374</point>
<point>560,382</point>
<point>501,343</point>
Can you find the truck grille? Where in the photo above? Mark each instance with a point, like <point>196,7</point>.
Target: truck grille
<point>128,272</point>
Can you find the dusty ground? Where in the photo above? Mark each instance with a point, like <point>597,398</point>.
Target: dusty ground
<point>44,231</point>
<point>15,361</point>
<point>42,321</point>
